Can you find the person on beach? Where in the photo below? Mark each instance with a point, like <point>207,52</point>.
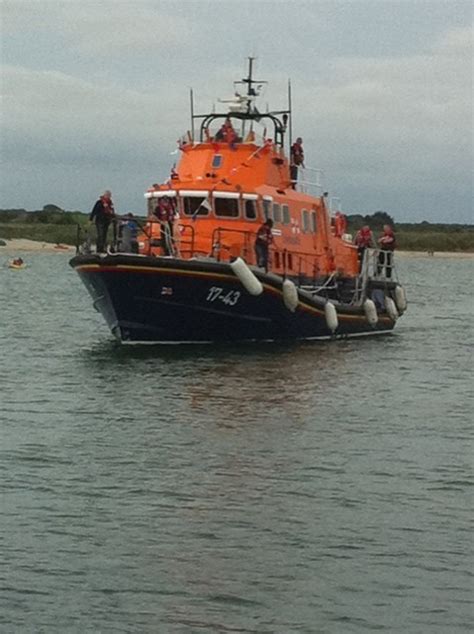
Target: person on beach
<point>103,214</point>
<point>262,243</point>
<point>387,244</point>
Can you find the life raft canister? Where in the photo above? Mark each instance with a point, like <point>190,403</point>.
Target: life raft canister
<point>290,295</point>
<point>331,316</point>
<point>249,281</point>
<point>370,312</point>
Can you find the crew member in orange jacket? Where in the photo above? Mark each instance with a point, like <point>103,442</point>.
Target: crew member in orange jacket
<point>296,159</point>
<point>227,133</point>
<point>262,243</point>
<point>387,244</point>
<point>364,240</point>
<point>340,224</point>
<point>165,212</point>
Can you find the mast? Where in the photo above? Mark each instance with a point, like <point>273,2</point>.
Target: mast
<point>251,92</point>
<point>290,127</point>
<point>191,98</point>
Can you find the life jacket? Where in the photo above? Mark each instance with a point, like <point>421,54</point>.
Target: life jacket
<point>340,224</point>
<point>297,154</point>
<point>264,235</point>
<point>363,238</point>
<point>165,211</point>
<point>387,241</point>
<point>107,205</point>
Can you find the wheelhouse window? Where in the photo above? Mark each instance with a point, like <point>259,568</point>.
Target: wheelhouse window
<point>250,207</point>
<point>313,222</point>
<point>193,206</point>
<point>151,205</point>
<point>276,212</point>
<point>267,209</point>
<point>305,220</point>
<point>226,207</point>
<point>217,161</point>
<point>286,214</point>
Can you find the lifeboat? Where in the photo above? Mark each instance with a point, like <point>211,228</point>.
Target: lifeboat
<point>198,277</point>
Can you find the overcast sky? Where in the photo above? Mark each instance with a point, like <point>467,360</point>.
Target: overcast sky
<point>95,95</point>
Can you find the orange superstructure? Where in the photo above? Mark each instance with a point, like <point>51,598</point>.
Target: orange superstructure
<point>225,186</point>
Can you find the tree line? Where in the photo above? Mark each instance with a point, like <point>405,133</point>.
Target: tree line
<point>54,215</point>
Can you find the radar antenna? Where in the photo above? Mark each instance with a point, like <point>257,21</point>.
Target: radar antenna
<point>254,88</point>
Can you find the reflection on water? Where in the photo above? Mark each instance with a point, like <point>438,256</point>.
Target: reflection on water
<point>256,488</point>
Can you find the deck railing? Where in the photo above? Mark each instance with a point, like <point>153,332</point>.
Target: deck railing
<point>181,246</point>
<point>378,265</point>
<point>309,180</point>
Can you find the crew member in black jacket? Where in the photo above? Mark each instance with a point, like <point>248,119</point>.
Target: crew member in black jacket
<point>103,214</point>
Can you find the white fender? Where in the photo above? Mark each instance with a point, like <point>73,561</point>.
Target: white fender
<point>290,295</point>
<point>370,312</point>
<point>400,299</point>
<point>391,308</point>
<point>251,283</point>
<point>331,316</point>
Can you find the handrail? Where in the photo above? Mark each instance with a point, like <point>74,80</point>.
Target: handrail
<point>173,243</point>
<point>304,182</point>
<point>216,243</point>
<point>377,265</point>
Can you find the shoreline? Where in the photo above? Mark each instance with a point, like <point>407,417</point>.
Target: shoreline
<point>20,244</point>
<point>467,255</point>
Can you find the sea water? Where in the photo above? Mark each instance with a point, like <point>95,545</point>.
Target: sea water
<point>323,487</point>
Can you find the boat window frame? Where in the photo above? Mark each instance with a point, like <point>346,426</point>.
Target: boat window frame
<point>199,211</point>
<point>305,221</point>
<point>254,205</point>
<point>236,201</point>
<point>267,209</point>
<point>221,160</point>
<point>276,212</point>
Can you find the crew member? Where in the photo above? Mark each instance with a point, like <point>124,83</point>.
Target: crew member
<point>227,133</point>
<point>165,212</point>
<point>262,243</point>
<point>296,160</point>
<point>340,224</point>
<point>364,240</point>
<point>128,231</point>
<point>387,244</point>
<point>103,214</point>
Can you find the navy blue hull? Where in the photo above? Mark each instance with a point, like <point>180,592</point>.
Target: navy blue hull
<point>165,300</point>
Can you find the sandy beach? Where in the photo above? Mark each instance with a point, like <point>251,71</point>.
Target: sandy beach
<point>20,245</point>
